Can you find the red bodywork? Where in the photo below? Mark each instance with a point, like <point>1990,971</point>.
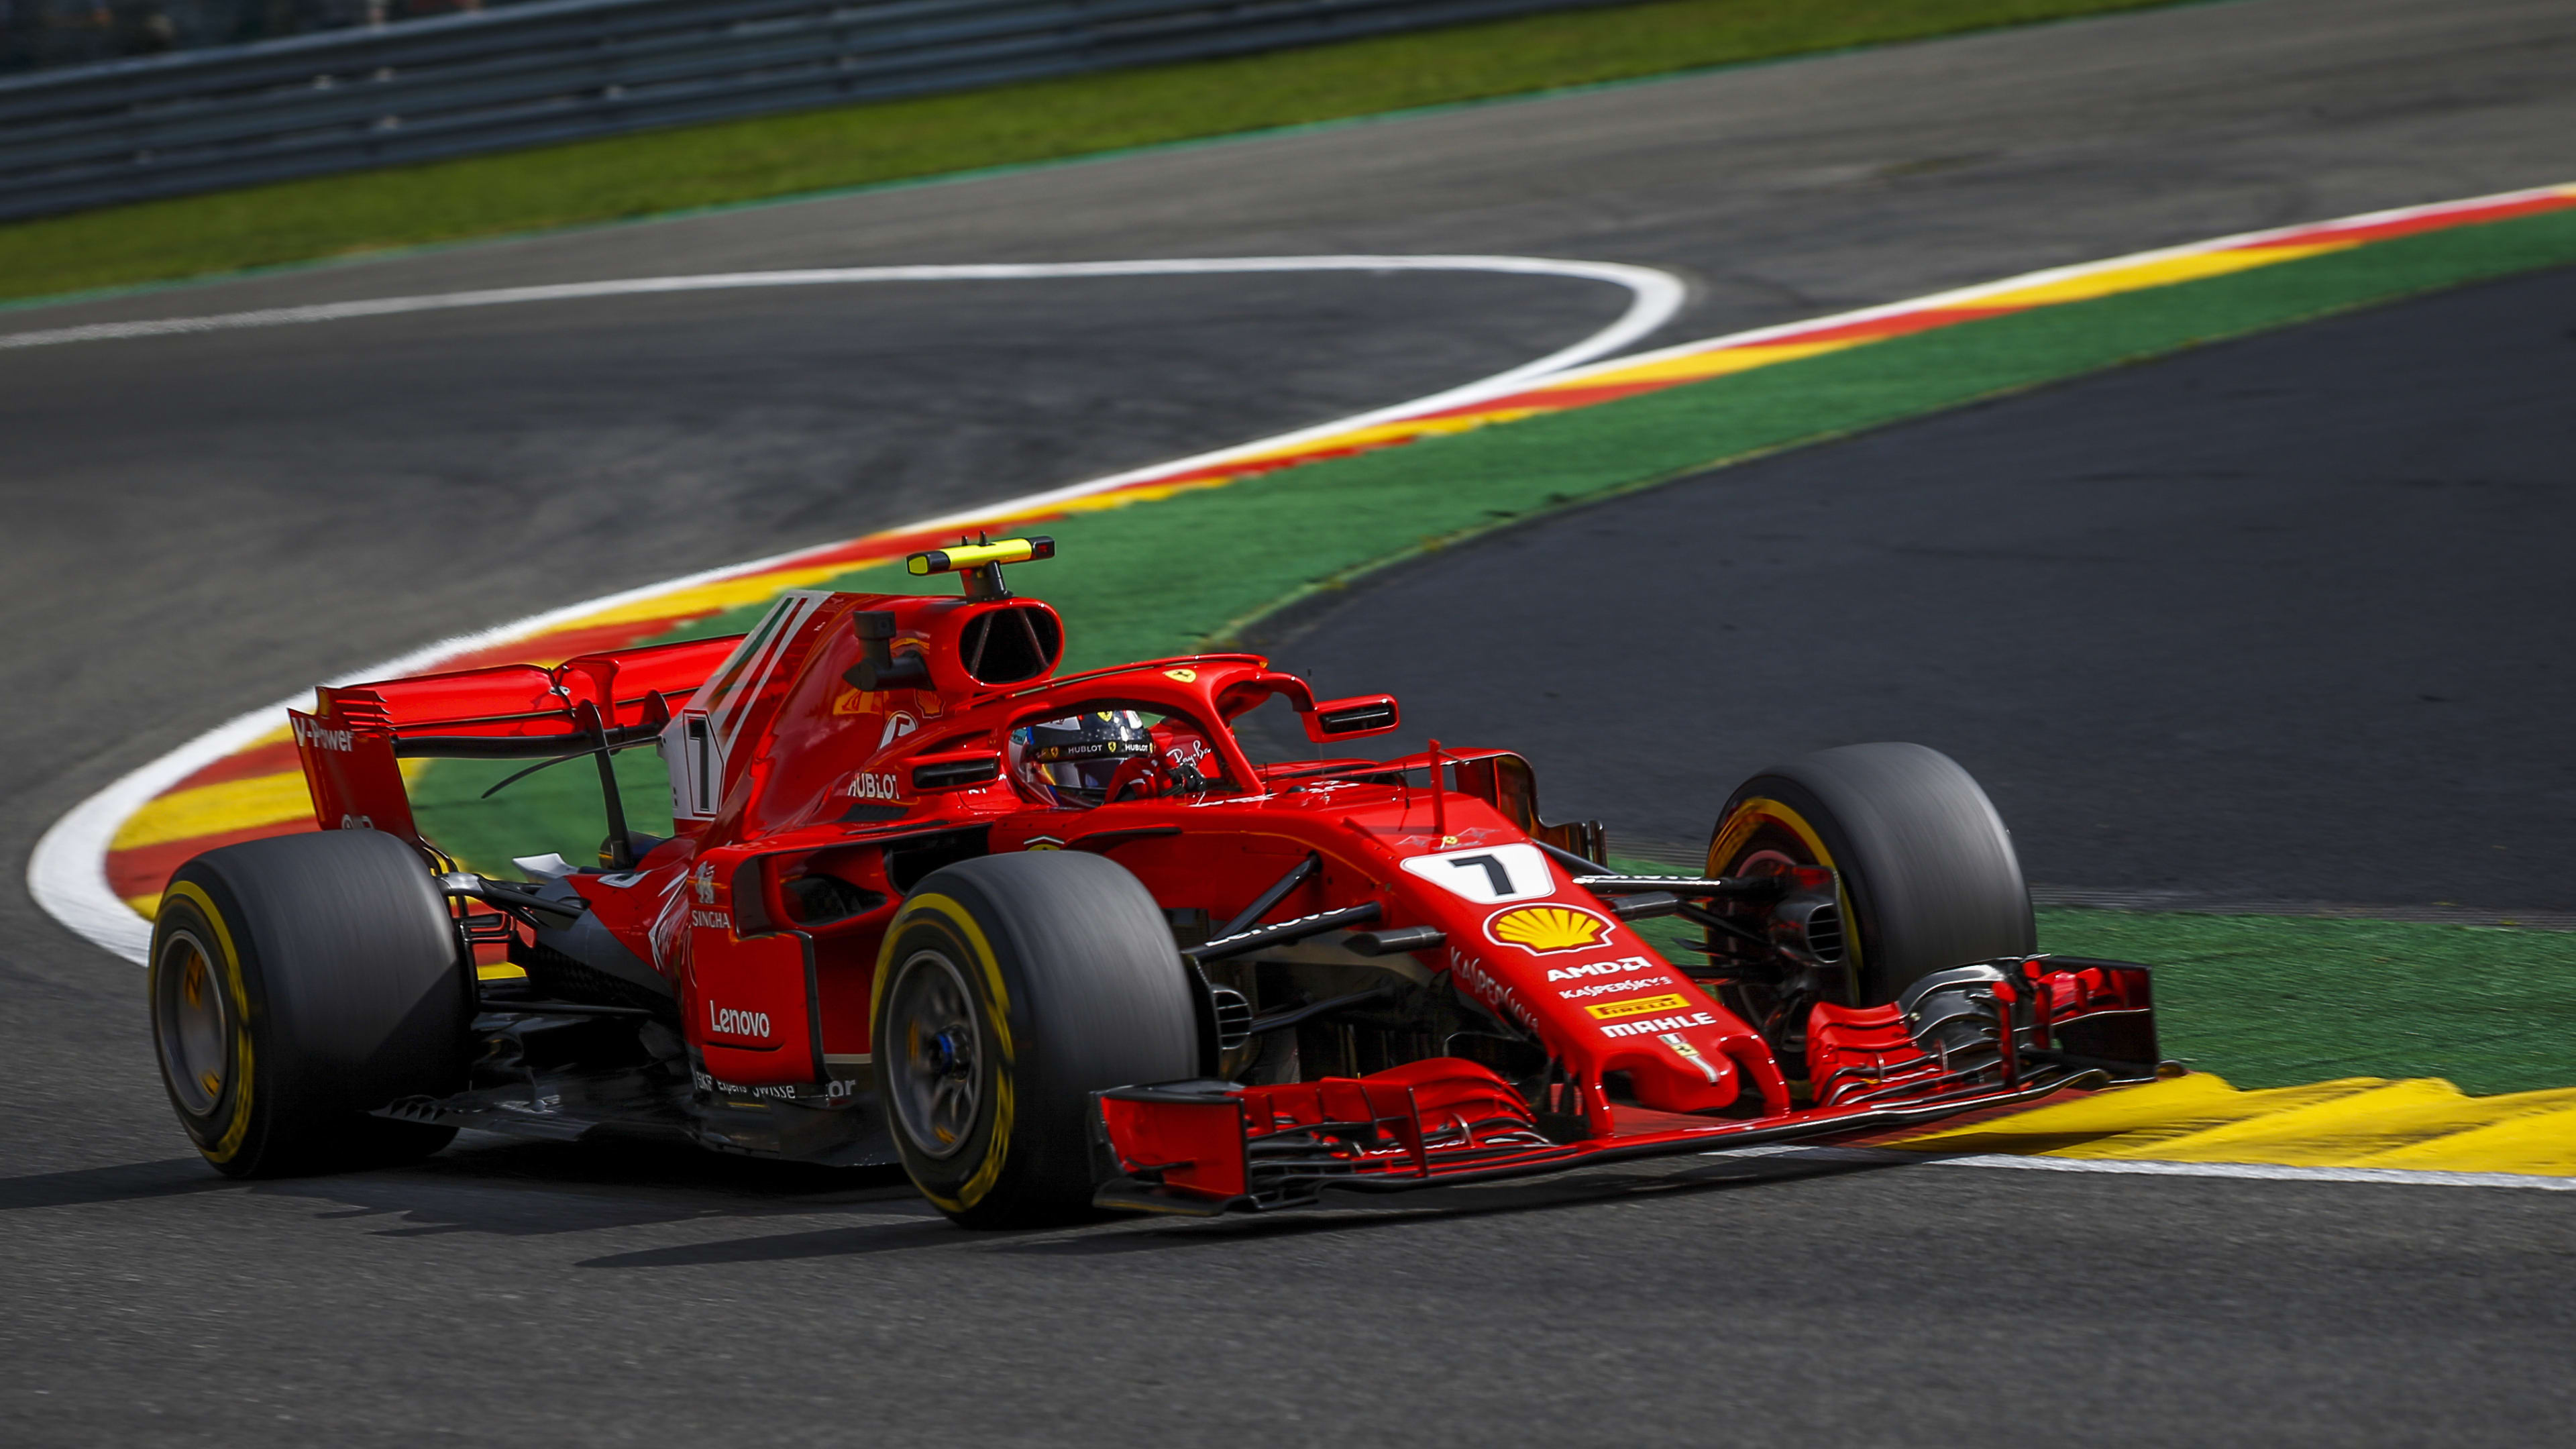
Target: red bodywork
<point>783,767</point>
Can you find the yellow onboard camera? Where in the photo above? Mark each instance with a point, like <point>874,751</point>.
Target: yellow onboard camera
<point>981,563</point>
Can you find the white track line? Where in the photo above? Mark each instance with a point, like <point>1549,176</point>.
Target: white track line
<point>1969,296</point>
<point>2124,1167</point>
<point>67,873</point>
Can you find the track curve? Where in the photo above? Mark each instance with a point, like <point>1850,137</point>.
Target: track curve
<point>2264,622</point>
<point>603,1298</point>
<point>64,871</point>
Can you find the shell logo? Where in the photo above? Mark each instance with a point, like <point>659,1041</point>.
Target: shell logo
<point>1546,930</point>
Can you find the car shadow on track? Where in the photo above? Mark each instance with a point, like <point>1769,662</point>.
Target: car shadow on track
<point>510,1188</point>
<point>1345,1213</point>
<point>125,1182</point>
<point>537,1189</point>
<point>1152,1235</point>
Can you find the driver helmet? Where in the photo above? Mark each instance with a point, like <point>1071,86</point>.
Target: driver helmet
<point>1071,761</point>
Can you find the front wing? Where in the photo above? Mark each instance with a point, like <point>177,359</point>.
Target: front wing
<point>1205,1148</point>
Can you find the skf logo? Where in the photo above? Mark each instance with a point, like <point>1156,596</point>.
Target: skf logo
<point>725,1021</point>
<point>1547,930</point>
<point>309,732</point>
<point>706,882</point>
<point>1642,1006</point>
<point>867,786</point>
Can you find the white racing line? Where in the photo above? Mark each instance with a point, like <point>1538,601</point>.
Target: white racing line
<point>67,874</point>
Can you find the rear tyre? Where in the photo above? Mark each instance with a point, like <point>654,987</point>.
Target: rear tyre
<point>297,983</point>
<point>1928,874</point>
<point>1008,990</point>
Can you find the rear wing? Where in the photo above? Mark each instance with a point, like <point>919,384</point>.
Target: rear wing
<point>352,743</point>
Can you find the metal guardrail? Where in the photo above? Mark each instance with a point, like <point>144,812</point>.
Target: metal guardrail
<point>560,70</point>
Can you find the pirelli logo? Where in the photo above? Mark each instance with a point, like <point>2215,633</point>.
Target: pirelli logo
<point>1641,1006</point>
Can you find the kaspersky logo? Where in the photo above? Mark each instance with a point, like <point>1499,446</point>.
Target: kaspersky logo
<point>1547,930</point>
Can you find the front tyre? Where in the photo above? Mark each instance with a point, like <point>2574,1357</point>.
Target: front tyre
<point>1008,990</point>
<point>1928,875</point>
<point>295,984</point>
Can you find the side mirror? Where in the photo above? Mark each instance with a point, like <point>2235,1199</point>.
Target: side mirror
<point>879,669</point>
<point>955,769</point>
<point>1361,714</point>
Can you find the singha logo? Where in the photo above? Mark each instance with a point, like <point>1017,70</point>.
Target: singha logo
<point>706,882</point>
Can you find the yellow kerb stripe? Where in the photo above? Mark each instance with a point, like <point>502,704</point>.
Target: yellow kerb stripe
<point>229,806</point>
<point>2155,274</point>
<point>2419,1123</point>
<point>717,597</point>
<point>1708,364</point>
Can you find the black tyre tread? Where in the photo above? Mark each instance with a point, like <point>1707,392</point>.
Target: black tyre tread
<point>1928,864</point>
<point>358,995</point>
<point>1098,998</point>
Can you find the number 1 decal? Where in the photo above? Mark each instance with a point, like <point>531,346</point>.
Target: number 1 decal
<point>1490,876</point>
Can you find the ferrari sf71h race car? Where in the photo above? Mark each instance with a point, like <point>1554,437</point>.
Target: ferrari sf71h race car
<point>1059,943</point>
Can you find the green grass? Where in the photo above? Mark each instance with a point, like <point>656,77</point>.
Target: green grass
<point>2262,1001</point>
<point>2271,1001</point>
<point>739,161</point>
<point>556,810</point>
<point>2274,1001</point>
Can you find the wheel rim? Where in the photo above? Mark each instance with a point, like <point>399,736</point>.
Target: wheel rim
<point>193,1023</point>
<point>937,1079</point>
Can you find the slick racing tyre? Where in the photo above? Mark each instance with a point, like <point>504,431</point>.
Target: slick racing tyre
<point>1928,875</point>
<point>1008,990</point>
<point>297,983</point>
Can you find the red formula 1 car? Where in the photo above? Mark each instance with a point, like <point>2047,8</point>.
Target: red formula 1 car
<point>1061,942</point>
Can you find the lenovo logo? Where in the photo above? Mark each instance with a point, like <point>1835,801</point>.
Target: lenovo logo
<point>725,1021</point>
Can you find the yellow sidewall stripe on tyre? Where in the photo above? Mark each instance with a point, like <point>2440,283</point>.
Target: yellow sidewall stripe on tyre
<point>1749,817</point>
<point>997,1018</point>
<point>239,1126</point>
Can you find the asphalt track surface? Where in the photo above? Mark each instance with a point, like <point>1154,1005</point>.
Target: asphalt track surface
<point>199,525</point>
<point>2276,620</point>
